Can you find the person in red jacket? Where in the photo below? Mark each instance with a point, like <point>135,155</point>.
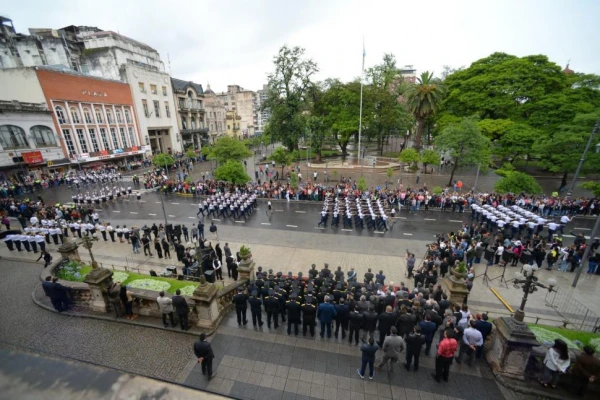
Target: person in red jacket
<point>445,354</point>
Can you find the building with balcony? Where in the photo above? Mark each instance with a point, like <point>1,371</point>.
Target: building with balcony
<point>189,103</point>
<point>243,102</point>
<point>261,114</point>
<point>234,124</point>
<point>215,114</point>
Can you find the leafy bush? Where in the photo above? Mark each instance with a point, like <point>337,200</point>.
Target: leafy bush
<point>72,271</point>
<point>244,251</point>
<point>437,190</point>
<point>505,169</point>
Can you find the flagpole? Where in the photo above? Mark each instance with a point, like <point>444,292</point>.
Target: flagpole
<point>361,107</point>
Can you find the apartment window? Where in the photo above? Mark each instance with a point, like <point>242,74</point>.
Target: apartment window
<point>75,116</point>
<point>167,111</point>
<point>94,140</point>
<point>184,122</point>
<point>228,127</point>
<point>131,136</point>
<point>145,105</point>
<point>127,116</point>
<point>119,116</point>
<point>123,137</point>
<point>82,140</point>
<point>99,117</point>
<point>181,103</point>
<point>104,139</point>
<point>113,135</point>
<point>109,117</point>
<point>61,116</point>
<point>157,108</point>
<point>43,136</point>
<point>164,89</point>
<point>153,89</point>
<point>87,115</point>
<point>69,141</point>
<point>141,86</point>
<point>193,123</point>
<point>12,137</point>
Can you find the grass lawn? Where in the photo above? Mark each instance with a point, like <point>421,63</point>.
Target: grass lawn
<point>175,284</point>
<point>392,154</point>
<point>587,338</point>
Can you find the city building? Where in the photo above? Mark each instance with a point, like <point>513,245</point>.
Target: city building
<point>28,139</point>
<point>154,103</point>
<point>234,122</point>
<point>243,102</point>
<point>408,74</point>
<point>215,114</point>
<point>189,99</point>
<point>262,114</point>
<point>95,118</point>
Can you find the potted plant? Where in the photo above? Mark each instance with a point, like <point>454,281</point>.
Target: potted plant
<point>460,270</point>
<point>245,253</point>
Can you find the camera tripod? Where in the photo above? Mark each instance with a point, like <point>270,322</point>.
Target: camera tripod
<point>487,279</point>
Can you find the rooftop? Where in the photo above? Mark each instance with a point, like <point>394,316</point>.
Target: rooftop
<point>182,86</point>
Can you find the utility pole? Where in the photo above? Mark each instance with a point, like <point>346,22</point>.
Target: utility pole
<point>586,254</point>
<point>582,159</point>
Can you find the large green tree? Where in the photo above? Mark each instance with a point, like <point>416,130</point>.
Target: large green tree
<point>163,159</point>
<point>517,182</point>
<point>232,171</point>
<point>227,148</point>
<point>423,99</point>
<point>289,89</point>
<point>466,145</point>
<point>283,157</point>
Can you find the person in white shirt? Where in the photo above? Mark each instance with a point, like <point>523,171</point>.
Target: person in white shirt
<point>557,360</point>
<point>564,220</point>
<point>102,229</point>
<point>40,240</point>
<point>551,229</point>
<point>471,339</point>
<point>33,220</point>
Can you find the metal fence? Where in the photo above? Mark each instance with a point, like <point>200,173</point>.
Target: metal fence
<point>572,311</point>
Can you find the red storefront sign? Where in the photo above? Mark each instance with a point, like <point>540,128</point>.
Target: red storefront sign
<point>33,157</point>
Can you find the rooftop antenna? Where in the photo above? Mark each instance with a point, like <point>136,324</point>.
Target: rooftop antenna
<point>169,61</point>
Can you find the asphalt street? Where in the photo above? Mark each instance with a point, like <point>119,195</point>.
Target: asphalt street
<point>287,216</point>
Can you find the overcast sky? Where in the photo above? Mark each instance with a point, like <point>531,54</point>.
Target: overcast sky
<point>233,42</point>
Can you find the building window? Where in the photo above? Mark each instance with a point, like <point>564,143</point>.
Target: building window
<point>69,142</point>
<point>141,86</point>
<point>153,89</point>
<point>145,105</point>
<point>82,141</point>
<point>157,108</point>
<point>123,137</point>
<point>43,136</point>
<point>119,116</point>
<point>181,103</point>
<point>104,139</point>
<point>113,134</point>
<point>75,116</point>
<point>184,122</point>
<point>164,88</point>
<point>127,116</point>
<point>99,118</point>
<point>87,115</point>
<point>109,117</point>
<point>13,137</point>
<point>61,116</point>
<point>94,140</point>
<point>131,136</point>
<point>193,123</point>
<point>167,111</point>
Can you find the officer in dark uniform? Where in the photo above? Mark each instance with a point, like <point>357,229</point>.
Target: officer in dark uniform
<point>240,301</point>
<point>321,295</point>
<point>309,314</point>
<point>369,276</point>
<point>272,309</point>
<point>255,308</point>
<point>337,293</point>
<point>313,271</point>
<point>341,319</point>
<point>294,310</point>
<point>355,320</point>
<point>281,296</point>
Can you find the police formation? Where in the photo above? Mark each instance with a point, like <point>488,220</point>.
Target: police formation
<point>223,205</point>
<point>360,212</point>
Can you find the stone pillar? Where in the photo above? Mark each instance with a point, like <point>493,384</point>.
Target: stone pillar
<point>69,251</point>
<point>205,297</point>
<point>456,288</point>
<point>246,268</point>
<point>512,344</point>
<point>98,280</point>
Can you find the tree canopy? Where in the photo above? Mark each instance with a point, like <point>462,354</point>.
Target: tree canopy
<point>517,182</point>
<point>227,148</point>
<point>282,156</point>
<point>162,160</point>
<point>232,171</point>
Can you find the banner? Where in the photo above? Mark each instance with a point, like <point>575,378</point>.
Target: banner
<point>33,157</point>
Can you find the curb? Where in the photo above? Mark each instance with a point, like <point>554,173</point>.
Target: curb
<point>528,391</point>
<point>110,319</point>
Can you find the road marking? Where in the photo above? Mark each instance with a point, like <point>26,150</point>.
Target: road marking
<point>151,214</point>
<point>455,220</point>
<point>583,229</point>
<point>142,201</point>
<point>132,212</point>
<point>217,220</point>
<point>429,219</point>
<point>302,212</point>
<point>265,223</point>
<point>241,222</point>
<point>279,210</point>
<point>157,202</point>
<point>401,217</point>
<point>378,232</point>
<point>192,217</point>
<point>175,203</point>
<point>116,211</point>
<point>292,226</point>
<point>171,216</point>
<point>319,227</point>
<point>408,234</point>
<point>348,230</point>
<point>97,210</point>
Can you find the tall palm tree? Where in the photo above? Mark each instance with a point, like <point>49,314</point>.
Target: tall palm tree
<point>423,99</point>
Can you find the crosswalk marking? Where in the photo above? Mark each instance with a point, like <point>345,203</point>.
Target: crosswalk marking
<point>429,219</point>
<point>408,234</point>
<point>132,212</point>
<point>151,214</point>
<point>292,226</point>
<point>265,223</point>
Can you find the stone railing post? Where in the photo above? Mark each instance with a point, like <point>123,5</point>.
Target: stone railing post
<point>205,297</point>
<point>98,280</point>
<point>69,251</point>
<point>246,268</point>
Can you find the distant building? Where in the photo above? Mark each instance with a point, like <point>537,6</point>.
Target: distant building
<point>408,74</point>
<point>189,102</point>
<point>234,122</point>
<point>215,114</point>
<point>262,115</point>
<point>243,102</point>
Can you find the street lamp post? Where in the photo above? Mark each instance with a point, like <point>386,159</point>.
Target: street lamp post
<point>582,159</point>
<point>529,283</point>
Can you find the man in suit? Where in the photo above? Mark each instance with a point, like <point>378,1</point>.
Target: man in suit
<point>240,300</point>
<point>181,309</point>
<point>326,313</point>
<point>428,329</point>
<point>414,344</point>
<point>204,352</point>
<point>485,327</point>
<point>386,321</point>
<point>342,318</point>
<point>49,291</point>
<point>369,323</point>
<point>393,345</point>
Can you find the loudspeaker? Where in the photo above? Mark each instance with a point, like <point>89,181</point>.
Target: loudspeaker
<point>210,276</point>
<point>169,229</point>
